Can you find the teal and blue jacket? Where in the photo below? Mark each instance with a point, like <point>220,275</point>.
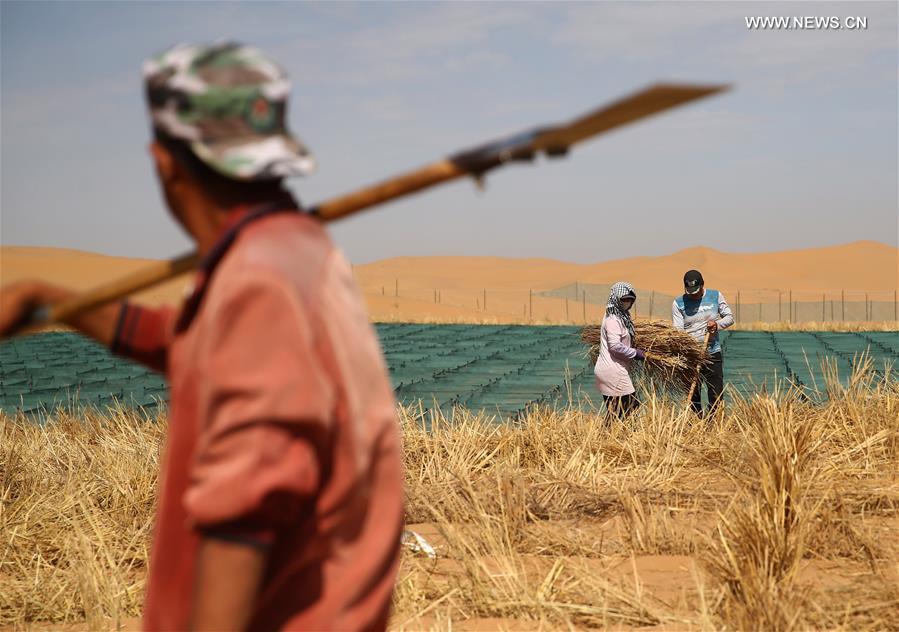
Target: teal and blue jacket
<point>691,315</point>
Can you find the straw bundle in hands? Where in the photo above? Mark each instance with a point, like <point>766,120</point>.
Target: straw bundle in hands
<point>672,356</point>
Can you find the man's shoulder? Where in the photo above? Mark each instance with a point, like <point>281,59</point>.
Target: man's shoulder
<point>292,246</point>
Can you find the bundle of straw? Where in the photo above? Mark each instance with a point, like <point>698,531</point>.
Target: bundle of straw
<point>673,357</point>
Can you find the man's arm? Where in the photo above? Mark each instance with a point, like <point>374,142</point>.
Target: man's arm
<point>139,333</point>
<point>726,316</point>
<point>228,577</point>
<point>144,334</point>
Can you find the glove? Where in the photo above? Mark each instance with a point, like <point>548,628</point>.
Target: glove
<point>641,355</point>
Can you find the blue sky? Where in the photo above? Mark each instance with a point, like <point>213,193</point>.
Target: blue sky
<point>801,153</point>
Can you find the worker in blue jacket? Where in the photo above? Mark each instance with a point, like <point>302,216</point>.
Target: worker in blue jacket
<point>700,311</point>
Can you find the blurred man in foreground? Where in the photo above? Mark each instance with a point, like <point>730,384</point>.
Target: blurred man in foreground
<point>280,499</point>
<point>702,312</point>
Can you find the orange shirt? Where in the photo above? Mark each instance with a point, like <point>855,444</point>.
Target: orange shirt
<point>282,432</point>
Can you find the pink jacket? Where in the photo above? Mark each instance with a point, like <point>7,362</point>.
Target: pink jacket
<point>615,356</point>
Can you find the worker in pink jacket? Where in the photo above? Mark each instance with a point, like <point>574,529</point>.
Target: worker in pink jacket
<point>617,353</point>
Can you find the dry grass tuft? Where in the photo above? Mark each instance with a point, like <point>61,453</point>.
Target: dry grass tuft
<point>77,498</point>
<point>781,514</point>
<point>673,356</point>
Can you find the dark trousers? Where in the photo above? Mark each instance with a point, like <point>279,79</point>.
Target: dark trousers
<point>713,377</point>
<point>620,406</point>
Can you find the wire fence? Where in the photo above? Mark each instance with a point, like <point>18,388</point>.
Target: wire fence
<point>765,305</point>
<point>585,302</point>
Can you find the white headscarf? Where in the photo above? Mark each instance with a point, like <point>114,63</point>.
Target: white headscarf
<point>614,307</point>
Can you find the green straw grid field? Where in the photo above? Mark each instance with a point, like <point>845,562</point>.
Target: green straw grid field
<point>503,369</point>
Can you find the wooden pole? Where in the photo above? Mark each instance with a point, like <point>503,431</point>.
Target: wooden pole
<point>867,316</point>
<point>382,290</point>
<point>779,313</point>
<point>843,305</point>
<point>791,305</point>
<point>553,140</point>
<point>531,304</point>
<point>895,305</point>
<point>738,306</point>
<point>409,182</point>
<point>566,309</point>
<point>823,300</point>
<point>396,288</point>
<point>584,304</point>
<point>652,296</point>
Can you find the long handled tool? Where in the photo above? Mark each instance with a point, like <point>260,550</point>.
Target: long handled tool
<point>705,345</point>
<point>552,141</point>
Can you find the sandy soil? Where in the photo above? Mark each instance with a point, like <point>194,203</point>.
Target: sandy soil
<point>451,289</point>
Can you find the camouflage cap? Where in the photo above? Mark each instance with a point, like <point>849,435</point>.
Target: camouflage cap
<point>228,102</point>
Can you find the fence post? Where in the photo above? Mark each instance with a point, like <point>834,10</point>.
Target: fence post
<point>867,317</point>
<point>531,304</point>
<point>831,310</point>
<point>823,301</point>
<point>843,305</point>
<point>396,288</point>
<point>435,296</point>
<point>760,310</point>
<point>584,303</point>
<point>738,306</point>
<point>566,310</point>
<point>652,297</point>
<point>895,305</point>
<point>779,313</point>
<point>382,290</point>
<point>791,305</point>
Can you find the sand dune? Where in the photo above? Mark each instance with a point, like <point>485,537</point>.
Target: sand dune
<point>864,265</point>
<point>452,288</point>
<point>80,270</point>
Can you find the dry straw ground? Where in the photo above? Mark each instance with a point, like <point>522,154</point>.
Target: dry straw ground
<point>778,515</point>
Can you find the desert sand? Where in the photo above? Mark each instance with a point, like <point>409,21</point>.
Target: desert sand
<point>452,289</point>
